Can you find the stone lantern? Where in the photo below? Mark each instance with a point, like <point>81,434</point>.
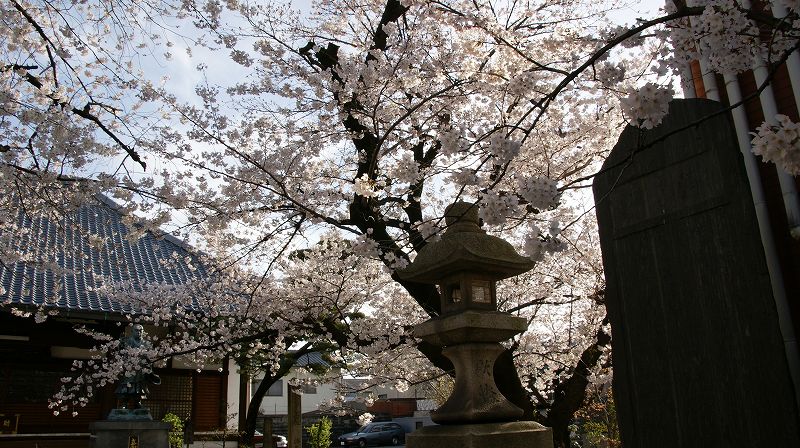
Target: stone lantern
<point>465,264</point>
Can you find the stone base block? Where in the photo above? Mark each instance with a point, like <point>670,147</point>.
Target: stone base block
<point>129,434</point>
<point>482,435</point>
<point>129,415</point>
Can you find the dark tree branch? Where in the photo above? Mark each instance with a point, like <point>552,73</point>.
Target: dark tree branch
<point>571,393</point>
<point>83,113</point>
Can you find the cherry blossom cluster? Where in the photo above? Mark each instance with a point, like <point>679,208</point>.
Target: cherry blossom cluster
<point>364,186</point>
<point>231,315</point>
<point>791,5</point>
<point>537,244</point>
<point>646,107</point>
<point>726,37</point>
<point>540,192</point>
<point>503,148</point>
<point>406,170</point>
<point>497,207</point>
<point>779,143</point>
<point>563,310</point>
<point>365,418</point>
<point>429,230</point>
<point>452,142</point>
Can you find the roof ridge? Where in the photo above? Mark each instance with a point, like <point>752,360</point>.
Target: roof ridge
<point>117,207</point>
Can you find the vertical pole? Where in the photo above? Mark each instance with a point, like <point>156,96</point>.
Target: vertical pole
<point>295,418</point>
<point>244,399</point>
<point>785,324</point>
<point>268,432</point>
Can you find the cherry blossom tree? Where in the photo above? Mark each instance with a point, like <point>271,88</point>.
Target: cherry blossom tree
<point>356,125</point>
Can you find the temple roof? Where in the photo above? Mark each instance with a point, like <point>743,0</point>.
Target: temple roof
<point>80,267</point>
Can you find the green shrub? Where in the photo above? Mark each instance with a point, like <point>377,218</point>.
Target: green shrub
<point>319,434</point>
<point>176,433</point>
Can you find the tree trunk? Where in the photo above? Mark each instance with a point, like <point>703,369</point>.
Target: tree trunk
<point>249,429</point>
<point>571,393</point>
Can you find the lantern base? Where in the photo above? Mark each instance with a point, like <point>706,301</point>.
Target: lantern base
<point>506,435</point>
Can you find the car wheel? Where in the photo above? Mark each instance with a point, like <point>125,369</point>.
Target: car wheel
<point>362,443</point>
<point>395,440</point>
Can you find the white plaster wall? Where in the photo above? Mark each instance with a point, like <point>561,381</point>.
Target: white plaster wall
<point>58,351</point>
<point>309,402</point>
<point>417,391</point>
<point>232,405</point>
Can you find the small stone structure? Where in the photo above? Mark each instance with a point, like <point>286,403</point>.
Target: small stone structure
<point>129,434</point>
<point>131,425</point>
<point>465,264</point>
<point>132,388</point>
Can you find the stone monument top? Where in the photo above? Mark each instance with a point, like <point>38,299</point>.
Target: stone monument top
<point>465,246</point>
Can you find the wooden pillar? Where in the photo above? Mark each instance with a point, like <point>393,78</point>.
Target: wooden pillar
<point>244,399</point>
<point>295,418</point>
<point>267,431</point>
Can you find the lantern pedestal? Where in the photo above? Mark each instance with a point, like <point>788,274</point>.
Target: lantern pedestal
<point>471,340</point>
<point>506,435</point>
<point>126,434</point>
<point>475,397</point>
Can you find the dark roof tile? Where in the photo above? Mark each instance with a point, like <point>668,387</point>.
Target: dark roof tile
<point>151,259</point>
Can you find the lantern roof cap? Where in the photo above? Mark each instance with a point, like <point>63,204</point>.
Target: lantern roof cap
<point>465,247</point>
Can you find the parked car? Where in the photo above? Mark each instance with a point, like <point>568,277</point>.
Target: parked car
<point>375,433</point>
<point>277,441</point>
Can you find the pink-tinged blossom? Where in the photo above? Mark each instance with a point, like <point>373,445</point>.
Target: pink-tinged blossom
<point>503,148</point>
<point>496,207</point>
<point>393,262</point>
<point>364,246</point>
<point>406,170</point>
<point>429,230</point>
<point>465,176</point>
<point>364,186</point>
<point>646,107</point>
<point>726,38</point>
<point>540,192</point>
<point>537,244</point>
<point>779,143</point>
<point>365,418</point>
<point>534,246</point>
<point>452,141</point>
<point>610,73</point>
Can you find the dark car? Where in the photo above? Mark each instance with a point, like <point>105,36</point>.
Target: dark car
<point>376,433</point>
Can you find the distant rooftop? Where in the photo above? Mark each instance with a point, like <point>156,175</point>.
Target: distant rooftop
<point>150,259</point>
<point>312,359</point>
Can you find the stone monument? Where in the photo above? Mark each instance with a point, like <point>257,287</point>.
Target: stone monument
<point>465,265</point>
<point>699,359</point>
<point>130,424</point>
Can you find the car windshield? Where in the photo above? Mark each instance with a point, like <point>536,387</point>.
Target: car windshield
<point>363,428</point>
